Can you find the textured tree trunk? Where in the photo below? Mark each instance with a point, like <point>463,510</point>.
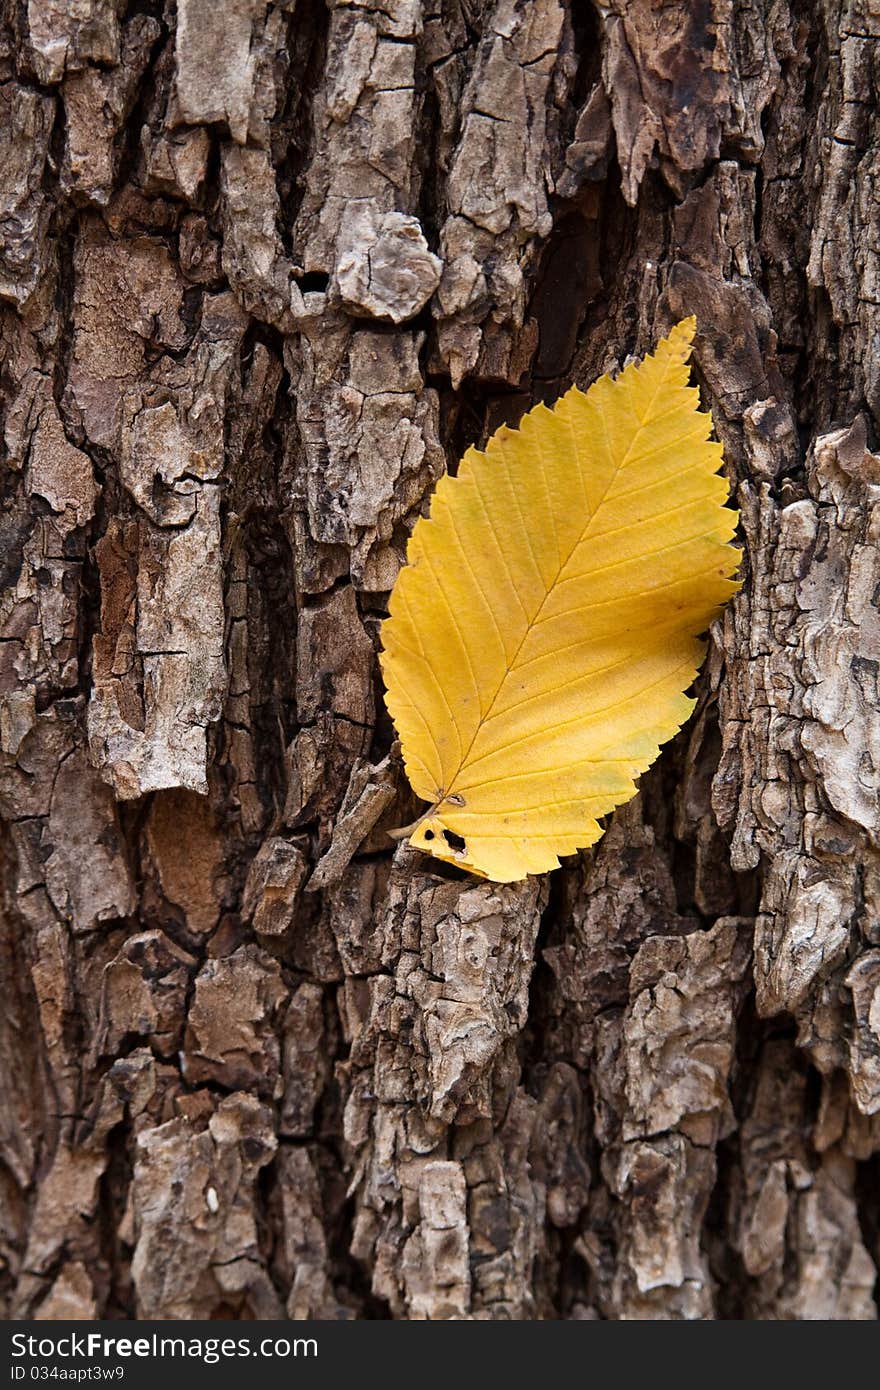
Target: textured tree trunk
<point>266,270</point>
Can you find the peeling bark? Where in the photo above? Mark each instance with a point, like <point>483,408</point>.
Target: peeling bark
<point>266,269</point>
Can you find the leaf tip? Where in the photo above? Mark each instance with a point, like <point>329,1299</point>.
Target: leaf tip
<point>681,337</point>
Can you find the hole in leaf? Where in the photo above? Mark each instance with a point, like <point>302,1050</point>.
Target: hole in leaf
<point>429,834</point>
<point>454,841</point>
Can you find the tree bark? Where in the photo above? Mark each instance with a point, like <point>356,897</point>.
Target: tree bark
<point>266,270</point>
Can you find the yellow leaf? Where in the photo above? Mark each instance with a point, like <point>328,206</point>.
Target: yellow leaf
<point>545,628</point>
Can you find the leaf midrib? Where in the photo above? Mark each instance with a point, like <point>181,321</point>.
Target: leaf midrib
<point>548,590</point>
